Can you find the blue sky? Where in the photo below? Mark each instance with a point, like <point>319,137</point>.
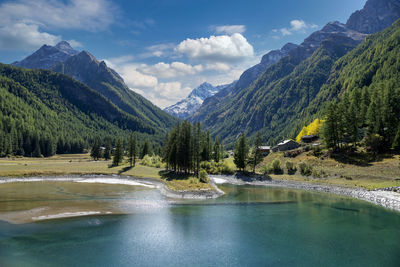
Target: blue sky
<point>163,49</point>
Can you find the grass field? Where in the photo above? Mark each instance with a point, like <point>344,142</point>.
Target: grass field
<point>384,172</point>
<point>78,164</point>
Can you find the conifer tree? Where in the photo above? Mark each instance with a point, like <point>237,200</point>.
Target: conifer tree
<point>95,151</point>
<point>145,148</point>
<point>241,152</point>
<point>217,153</point>
<point>132,151</point>
<point>118,153</point>
<point>256,156</point>
<point>107,150</point>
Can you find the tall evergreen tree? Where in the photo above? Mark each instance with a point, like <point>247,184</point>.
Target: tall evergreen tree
<point>96,150</point>
<point>256,155</point>
<point>241,152</point>
<point>108,149</point>
<point>217,153</point>
<point>145,149</point>
<point>132,151</point>
<point>118,153</point>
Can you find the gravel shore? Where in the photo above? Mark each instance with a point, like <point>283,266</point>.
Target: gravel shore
<point>387,199</point>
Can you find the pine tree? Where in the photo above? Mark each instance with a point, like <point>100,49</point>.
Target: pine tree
<point>330,128</point>
<point>217,153</point>
<point>95,151</point>
<point>118,153</point>
<point>107,150</point>
<point>256,156</point>
<point>132,152</point>
<point>145,149</point>
<point>241,152</point>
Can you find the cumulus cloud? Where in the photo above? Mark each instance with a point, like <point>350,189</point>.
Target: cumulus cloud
<point>90,15</point>
<point>295,26</point>
<point>21,36</point>
<point>25,24</point>
<point>222,48</point>
<point>230,29</point>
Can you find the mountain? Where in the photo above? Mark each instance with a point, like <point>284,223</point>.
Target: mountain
<point>375,16</point>
<point>47,56</point>
<point>188,106</point>
<point>276,103</point>
<point>245,80</point>
<point>50,107</point>
<point>85,68</point>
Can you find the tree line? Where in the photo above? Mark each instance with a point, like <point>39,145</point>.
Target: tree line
<point>370,115</point>
<point>186,145</point>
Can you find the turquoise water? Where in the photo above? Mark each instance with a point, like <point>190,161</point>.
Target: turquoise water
<point>250,226</point>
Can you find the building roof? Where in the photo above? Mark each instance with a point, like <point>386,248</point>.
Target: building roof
<point>285,142</point>
<point>264,147</point>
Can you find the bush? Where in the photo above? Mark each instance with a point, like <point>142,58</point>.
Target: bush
<point>154,161</point>
<point>305,169</point>
<point>203,176</point>
<point>268,169</point>
<point>291,169</point>
<point>374,143</point>
<point>213,167</point>
<point>227,169</point>
<point>274,167</point>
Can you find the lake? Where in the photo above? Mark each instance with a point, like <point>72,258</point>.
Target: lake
<point>249,226</point>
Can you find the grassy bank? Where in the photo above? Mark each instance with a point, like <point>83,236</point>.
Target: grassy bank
<point>355,171</point>
<point>81,164</point>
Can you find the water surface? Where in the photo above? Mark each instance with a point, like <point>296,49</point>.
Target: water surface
<point>249,226</point>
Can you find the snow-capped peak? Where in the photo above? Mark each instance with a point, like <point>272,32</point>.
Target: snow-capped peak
<point>192,103</point>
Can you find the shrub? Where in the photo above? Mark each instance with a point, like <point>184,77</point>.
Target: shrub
<point>203,176</point>
<point>227,169</point>
<point>291,169</point>
<point>276,166</point>
<point>268,169</point>
<point>305,169</point>
<point>154,161</point>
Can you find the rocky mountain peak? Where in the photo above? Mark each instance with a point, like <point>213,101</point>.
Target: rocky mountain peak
<point>48,56</point>
<point>65,47</point>
<point>188,106</point>
<point>375,16</point>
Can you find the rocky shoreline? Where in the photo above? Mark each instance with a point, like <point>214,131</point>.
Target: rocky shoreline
<point>385,198</point>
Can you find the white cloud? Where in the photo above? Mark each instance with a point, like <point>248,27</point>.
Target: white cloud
<point>217,48</point>
<point>25,24</point>
<point>296,26</point>
<point>159,50</point>
<point>21,36</point>
<point>230,29</point>
<point>175,69</point>
<point>92,15</point>
<point>75,43</point>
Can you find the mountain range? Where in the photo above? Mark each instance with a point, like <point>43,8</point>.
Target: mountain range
<point>281,99</point>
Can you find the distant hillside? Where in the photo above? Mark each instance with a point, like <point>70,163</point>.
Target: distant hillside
<point>85,68</point>
<point>40,104</point>
<point>287,94</point>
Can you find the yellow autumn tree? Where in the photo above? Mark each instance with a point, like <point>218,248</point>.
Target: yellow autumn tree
<point>312,129</point>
